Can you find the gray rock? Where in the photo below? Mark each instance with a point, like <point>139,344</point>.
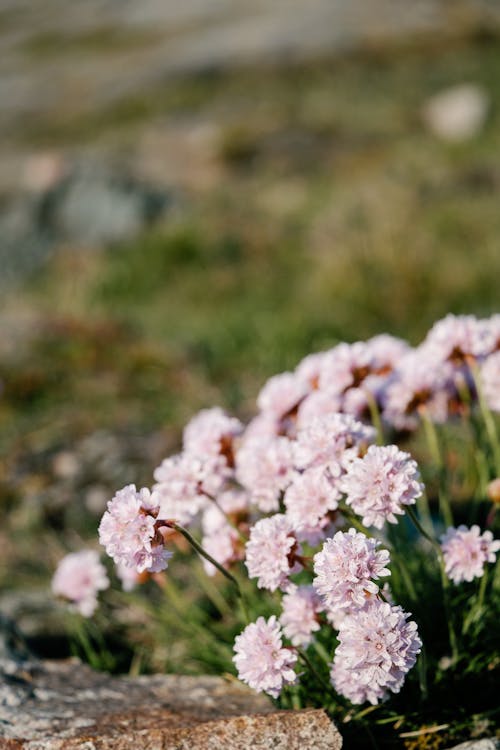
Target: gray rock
<point>72,707</point>
<point>484,744</point>
<point>95,206</point>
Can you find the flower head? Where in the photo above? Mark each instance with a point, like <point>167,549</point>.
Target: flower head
<point>378,485</point>
<point>270,552</point>
<point>281,394</point>
<point>377,648</point>
<point>466,551</point>
<point>419,382</point>
<point>211,432</point>
<point>332,442</point>
<point>78,578</point>
<point>299,619</point>
<point>128,531</point>
<point>264,466</point>
<point>345,567</point>
<point>261,660</point>
<point>183,482</point>
<point>309,498</point>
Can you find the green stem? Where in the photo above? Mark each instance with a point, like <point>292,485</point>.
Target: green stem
<point>405,575</point>
<point>488,420</point>
<point>199,549</point>
<point>444,581</point>
<point>229,521</point>
<point>322,653</point>
<point>375,416</point>
<point>475,612</point>
<point>197,546</point>
<point>413,517</point>
<point>422,673</point>
<point>435,451</point>
<point>354,520</point>
<point>446,596</point>
<point>313,669</point>
<point>425,513</point>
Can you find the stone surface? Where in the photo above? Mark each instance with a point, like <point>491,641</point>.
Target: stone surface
<point>484,744</point>
<point>64,705</point>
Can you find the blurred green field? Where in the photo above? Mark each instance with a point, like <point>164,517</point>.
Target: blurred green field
<point>329,213</point>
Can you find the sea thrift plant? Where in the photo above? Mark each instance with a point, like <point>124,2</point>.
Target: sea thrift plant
<point>345,479</point>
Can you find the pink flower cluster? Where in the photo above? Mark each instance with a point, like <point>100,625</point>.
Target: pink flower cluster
<point>377,648</point>
<point>276,493</point>
<point>260,658</point>
<point>130,530</point>
<point>345,567</point>
<point>466,551</point>
<point>78,579</point>
<point>379,485</point>
<point>299,618</point>
<point>271,552</point>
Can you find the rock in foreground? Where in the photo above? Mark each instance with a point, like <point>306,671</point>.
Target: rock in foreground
<point>66,705</point>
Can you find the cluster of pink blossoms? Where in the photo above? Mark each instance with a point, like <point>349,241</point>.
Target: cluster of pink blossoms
<point>78,579</point>
<point>379,485</point>
<point>377,648</point>
<point>260,658</point>
<point>277,494</point>
<point>466,551</point>
<point>131,531</point>
<point>345,567</point>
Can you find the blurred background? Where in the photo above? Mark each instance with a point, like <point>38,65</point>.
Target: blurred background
<point>195,195</point>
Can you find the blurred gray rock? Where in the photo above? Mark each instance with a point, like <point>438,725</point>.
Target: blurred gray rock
<point>95,207</point>
<point>70,706</point>
<point>82,206</point>
<point>16,666</point>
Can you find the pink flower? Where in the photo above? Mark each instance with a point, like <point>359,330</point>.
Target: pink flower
<point>308,370</point>
<point>378,485</point>
<point>345,366</point>
<point>129,577</point>
<point>183,482</point>
<point>345,567</point>
<point>129,532</point>
<point>456,337</point>
<point>264,466</point>
<point>270,552</point>
<point>282,394</point>
<point>211,433</point>
<point>309,498</point>
<point>377,648</point>
<point>317,405</point>
<point>466,551</point>
<point>261,660</point>
<point>420,382</point>
<point>331,442</point>
<point>490,377</point>
<point>386,352</point>
<point>78,578</point>
<point>299,619</point>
